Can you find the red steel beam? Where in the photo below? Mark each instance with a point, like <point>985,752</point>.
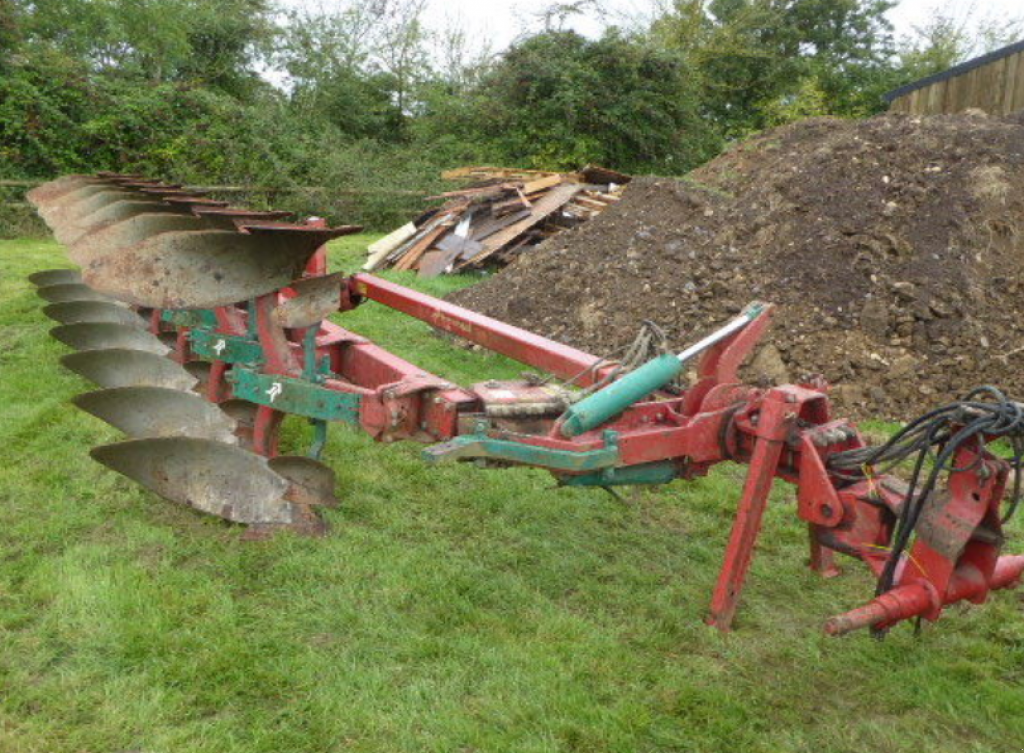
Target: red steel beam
<point>526,347</point>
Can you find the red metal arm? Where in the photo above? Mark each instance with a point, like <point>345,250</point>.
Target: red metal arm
<point>526,347</point>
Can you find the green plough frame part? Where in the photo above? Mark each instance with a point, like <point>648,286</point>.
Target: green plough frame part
<point>215,346</point>
<point>294,396</point>
<point>482,446</point>
<point>635,475</point>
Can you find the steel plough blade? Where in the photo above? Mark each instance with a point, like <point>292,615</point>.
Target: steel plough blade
<point>111,215</point>
<point>66,207</point>
<point>206,269</point>
<point>104,336</point>
<point>93,312</point>
<point>153,412</point>
<point>113,239</point>
<point>70,292</point>
<point>212,477</point>
<point>316,298</point>
<point>49,277</point>
<point>43,195</point>
<point>119,367</point>
<point>79,219</point>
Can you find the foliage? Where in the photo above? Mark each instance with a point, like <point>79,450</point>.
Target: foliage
<point>755,52</point>
<point>558,100</point>
<point>356,101</point>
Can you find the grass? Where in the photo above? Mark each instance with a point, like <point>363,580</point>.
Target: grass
<point>450,610</point>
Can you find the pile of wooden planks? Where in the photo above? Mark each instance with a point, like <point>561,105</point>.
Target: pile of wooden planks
<point>502,213</point>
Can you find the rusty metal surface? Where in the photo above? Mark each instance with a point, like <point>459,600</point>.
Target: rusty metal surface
<point>71,213</point>
<point>76,312</point>
<point>112,214</point>
<point>119,367</point>
<point>205,269</point>
<point>311,482</point>
<point>150,412</point>
<point>316,299</point>
<point>75,225</point>
<point>120,236</point>
<point>69,208</point>
<point>67,292</point>
<point>105,335</point>
<point>46,193</point>
<point>50,277</point>
<point>194,201</point>
<point>231,217</point>
<point>212,477</point>
<point>54,207</point>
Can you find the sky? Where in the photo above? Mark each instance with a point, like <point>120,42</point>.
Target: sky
<point>499,22</point>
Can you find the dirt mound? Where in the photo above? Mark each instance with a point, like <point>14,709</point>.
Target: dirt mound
<point>892,246</point>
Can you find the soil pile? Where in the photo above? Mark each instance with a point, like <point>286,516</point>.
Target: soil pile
<point>893,248</point>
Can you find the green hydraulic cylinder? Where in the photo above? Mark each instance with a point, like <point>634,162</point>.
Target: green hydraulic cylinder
<point>595,410</point>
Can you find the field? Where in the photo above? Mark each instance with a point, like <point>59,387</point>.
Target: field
<point>450,610</point>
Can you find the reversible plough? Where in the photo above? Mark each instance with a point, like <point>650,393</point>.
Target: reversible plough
<point>206,325</point>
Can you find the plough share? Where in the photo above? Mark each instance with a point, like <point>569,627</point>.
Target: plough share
<point>206,325</point>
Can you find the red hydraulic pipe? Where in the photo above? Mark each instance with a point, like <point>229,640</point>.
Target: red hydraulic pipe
<point>519,344</point>
<point>912,599</point>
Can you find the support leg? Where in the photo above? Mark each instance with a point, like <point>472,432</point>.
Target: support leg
<point>749,515</point>
<point>823,560</point>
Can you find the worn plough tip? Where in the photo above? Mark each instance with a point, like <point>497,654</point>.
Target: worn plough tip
<point>106,335</point>
<point>119,367</point>
<point>211,477</point>
<point>154,412</point>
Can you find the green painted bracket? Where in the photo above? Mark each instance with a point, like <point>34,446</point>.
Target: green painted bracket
<point>635,475</point>
<point>482,446</point>
<point>295,396</point>
<point>215,346</point>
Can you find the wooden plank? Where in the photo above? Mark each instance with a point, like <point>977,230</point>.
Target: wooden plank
<point>1014,69</point>
<point>462,247</point>
<point>554,200</point>
<point>488,171</point>
<point>379,251</point>
<point>487,227</point>
<point>542,184</point>
<point>1015,94</point>
<point>429,238</point>
<point>432,263</point>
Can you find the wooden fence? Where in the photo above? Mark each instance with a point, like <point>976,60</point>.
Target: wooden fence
<point>993,83</point>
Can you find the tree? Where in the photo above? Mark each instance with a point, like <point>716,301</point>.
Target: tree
<point>211,42</point>
<point>558,100</point>
<point>359,65</point>
<point>756,55</point>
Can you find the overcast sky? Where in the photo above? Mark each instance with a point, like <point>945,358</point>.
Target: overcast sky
<point>499,22</point>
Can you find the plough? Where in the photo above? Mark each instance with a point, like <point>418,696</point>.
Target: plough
<point>204,326</point>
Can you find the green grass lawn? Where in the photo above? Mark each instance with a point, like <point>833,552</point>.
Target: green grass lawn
<point>450,609</point>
